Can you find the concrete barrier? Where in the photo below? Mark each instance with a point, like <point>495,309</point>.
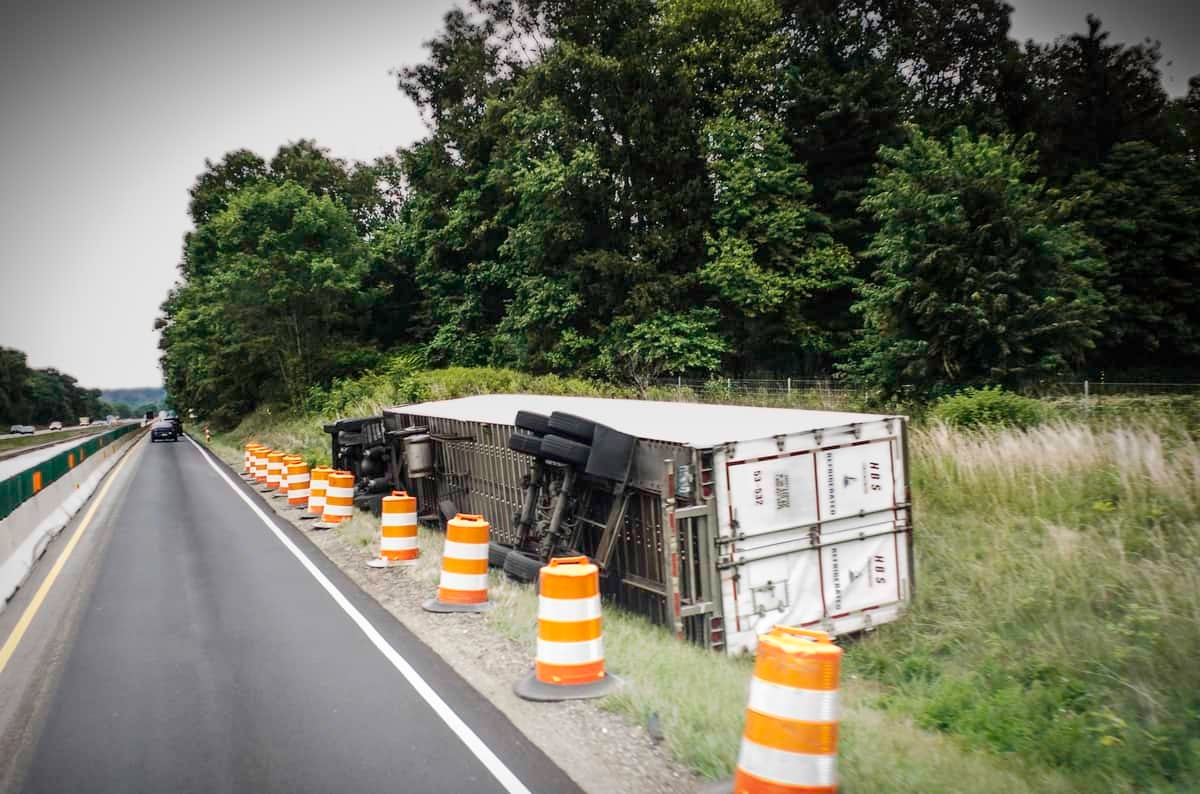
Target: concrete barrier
<point>27,531</point>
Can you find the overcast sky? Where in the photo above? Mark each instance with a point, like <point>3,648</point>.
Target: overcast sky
<point>108,109</point>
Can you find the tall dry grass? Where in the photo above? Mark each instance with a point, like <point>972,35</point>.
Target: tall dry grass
<point>1057,614</point>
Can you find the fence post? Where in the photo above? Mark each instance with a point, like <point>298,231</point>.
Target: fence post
<point>789,387</point>
<point>1085,396</point>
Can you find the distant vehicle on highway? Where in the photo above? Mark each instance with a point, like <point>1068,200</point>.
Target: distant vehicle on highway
<point>24,430</point>
<point>163,430</point>
<point>84,421</point>
<point>99,423</point>
<point>173,418</point>
<point>55,425</point>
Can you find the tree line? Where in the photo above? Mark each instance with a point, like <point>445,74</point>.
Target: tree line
<point>42,396</point>
<point>892,192</point>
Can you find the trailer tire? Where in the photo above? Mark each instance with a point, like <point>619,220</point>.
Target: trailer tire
<point>564,450</point>
<point>522,566</point>
<point>525,444</point>
<point>572,426</point>
<point>497,552</point>
<point>533,422</point>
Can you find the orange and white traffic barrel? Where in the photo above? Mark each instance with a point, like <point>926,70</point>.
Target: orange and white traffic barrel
<point>569,663</point>
<point>339,500</point>
<point>274,470</point>
<point>464,581</point>
<point>318,481</point>
<point>297,482</point>
<point>260,464</point>
<point>790,740</point>
<point>248,458</point>
<point>397,531</point>
<point>282,491</point>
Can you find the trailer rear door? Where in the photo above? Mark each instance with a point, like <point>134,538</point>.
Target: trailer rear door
<point>815,530</point>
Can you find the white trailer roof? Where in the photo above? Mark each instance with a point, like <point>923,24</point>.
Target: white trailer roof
<point>698,425</point>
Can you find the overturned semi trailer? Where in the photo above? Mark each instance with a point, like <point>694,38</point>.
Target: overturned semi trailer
<point>717,521</point>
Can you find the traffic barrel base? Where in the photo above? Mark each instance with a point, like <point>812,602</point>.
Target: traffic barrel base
<point>437,605</point>
<point>531,688</point>
<point>569,664</point>
<point>464,580</point>
<point>382,562</point>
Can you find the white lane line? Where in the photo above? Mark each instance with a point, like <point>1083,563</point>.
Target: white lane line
<point>502,773</point>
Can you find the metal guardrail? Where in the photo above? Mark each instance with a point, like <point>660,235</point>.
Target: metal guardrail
<point>20,487</point>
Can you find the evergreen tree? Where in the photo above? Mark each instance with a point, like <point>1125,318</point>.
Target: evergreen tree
<point>1143,206</point>
<point>977,281</point>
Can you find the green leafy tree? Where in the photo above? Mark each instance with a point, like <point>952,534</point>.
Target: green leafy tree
<point>353,185</point>
<point>221,180</point>
<point>273,314</point>
<point>291,269</point>
<point>855,71</point>
<point>780,280</point>
<point>14,387</point>
<point>977,280</point>
<point>56,396</point>
<point>669,343</point>
<point>205,362</point>
<point>1143,206</point>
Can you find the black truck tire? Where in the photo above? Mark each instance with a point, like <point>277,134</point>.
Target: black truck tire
<point>572,426</point>
<point>525,444</point>
<point>522,566</point>
<point>533,422</point>
<point>497,552</point>
<point>564,450</point>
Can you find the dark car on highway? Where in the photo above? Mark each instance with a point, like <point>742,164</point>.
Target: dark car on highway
<point>164,430</point>
<point>173,418</point>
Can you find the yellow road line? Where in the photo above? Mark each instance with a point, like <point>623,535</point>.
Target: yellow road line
<point>14,639</point>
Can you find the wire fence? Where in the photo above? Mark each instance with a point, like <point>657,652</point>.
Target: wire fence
<point>833,394</point>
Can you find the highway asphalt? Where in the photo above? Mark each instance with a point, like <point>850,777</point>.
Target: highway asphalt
<point>205,655</point>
